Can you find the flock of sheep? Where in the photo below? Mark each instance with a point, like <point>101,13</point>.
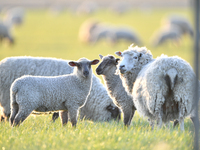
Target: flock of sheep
<point>159,89</point>
<point>92,31</point>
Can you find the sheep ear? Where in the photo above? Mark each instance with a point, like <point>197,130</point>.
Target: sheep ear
<point>94,62</point>
<point>72,63</point>
<point>140,55</point>
<point>101,56</point>
<point>118,53</point>
<point>117,61</point>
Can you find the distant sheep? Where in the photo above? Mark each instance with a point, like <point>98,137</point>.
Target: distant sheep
<point>15,16</point>
<point>99,106</point>
<point>5,32</point>
<point>65,93</point>
<point>182,22</point>
<point>121,98</point>
<point>163,87</point>
<point>93,31</point>
<point>166,34</point>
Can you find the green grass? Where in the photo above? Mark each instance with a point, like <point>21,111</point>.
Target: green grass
<point>57,36</point>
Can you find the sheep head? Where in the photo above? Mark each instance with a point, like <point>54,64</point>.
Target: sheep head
<point>108,64</point>
<point>133,58</point>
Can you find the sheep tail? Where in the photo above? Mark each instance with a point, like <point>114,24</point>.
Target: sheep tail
<point>13,92</point>
<point>171,77</point>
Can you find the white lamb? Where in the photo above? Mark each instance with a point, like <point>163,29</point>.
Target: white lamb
<point>99,106</point>
<point>121,98</point>
<point>163,87</point>
<point>65,93</point>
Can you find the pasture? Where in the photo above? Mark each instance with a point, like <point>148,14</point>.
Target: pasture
<point>46,35</point>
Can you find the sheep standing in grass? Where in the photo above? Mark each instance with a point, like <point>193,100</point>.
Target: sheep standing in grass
<point>114,86</point>
<point>163,87</point>
<point>99,106</point>
<point>43,94</point>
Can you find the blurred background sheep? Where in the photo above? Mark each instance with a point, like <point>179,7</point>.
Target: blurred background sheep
<point>93,31</point>
<point>172,30</point>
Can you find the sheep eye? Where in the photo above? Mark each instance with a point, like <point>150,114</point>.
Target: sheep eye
<point>111,57</point>
<point>135,57</point>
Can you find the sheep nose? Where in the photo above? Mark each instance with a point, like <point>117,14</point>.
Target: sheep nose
<point>121,67</point>
<point>86,73</point>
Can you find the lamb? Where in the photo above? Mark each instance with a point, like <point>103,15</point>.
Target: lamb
<point>163,87</point>
<point>42,94</point>
<point>114,86</point>
<point>99,106</point>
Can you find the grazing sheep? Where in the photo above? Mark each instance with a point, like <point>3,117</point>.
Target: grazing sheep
<point>5,32</point>
<point>183,23</point>
<point>121,98</point>
<point>15,16</point>
<point>169,33</point>
<point>163,87</point>
<point>99,106</point>
<point>92,31</point>
<point>65,93</point>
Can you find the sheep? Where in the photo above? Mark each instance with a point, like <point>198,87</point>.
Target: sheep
<point>99,106</point>
<point>167,33</point>
<point>15,16</point>
<point>92,31</point>
<point>183,23</point>
<point>5,32</point>
<point>163,87</point>
<point>43,94</point>
<point>121,98</point>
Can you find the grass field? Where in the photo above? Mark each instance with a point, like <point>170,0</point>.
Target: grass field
<point>43,34</point>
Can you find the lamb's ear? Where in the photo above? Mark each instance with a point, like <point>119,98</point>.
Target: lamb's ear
<point>73,63</point>
<point>101,56</point>
<point>118,53</point>
<point>94,62</point>
<point>117,59</point>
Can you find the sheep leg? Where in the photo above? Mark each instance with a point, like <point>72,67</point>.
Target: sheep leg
<point>64,117</point>
<point>20,117</point>
<point>14,111</point>
<point>175,123</point>
<point>127,116</point>
<point>159,120</point>
<point>132,115</point>
<point>73,115</point>
<point>55,116</point>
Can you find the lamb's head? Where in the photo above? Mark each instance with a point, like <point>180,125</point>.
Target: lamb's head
<point>133,58</point>
<point>83,67</point>
<point>108,65</point>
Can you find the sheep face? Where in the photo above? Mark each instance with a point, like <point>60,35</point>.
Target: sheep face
<point>130,61</point>
<point>83,66</point>
<point>107,64</point>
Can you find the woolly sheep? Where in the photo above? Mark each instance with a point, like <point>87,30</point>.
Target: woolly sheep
<point>43,94</point>
<point>99,106</point>
<point>121,98</point>
<point>163,87</point>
